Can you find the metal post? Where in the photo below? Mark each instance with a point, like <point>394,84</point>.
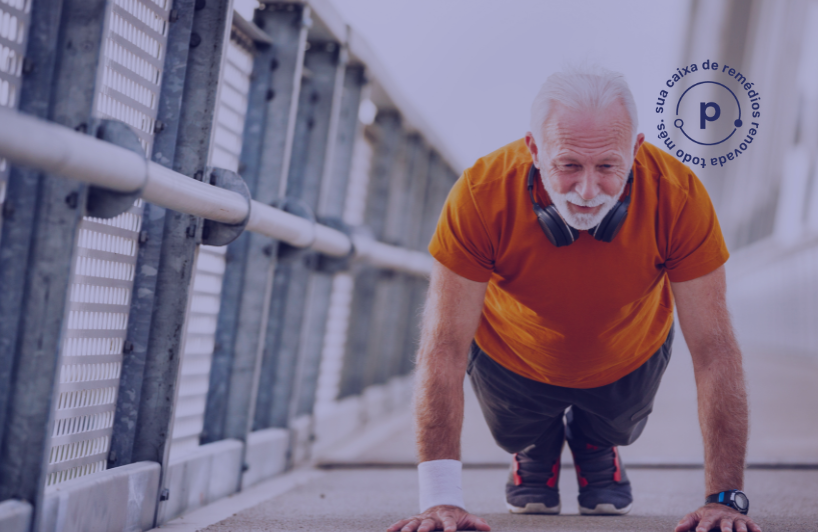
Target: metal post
<point>42,213</point>
<point>333,194</point>
<point>290,284</point>
<point>251,258</point>
<point>181,234</point>
<point>355,375</point>
<point>153,222</point>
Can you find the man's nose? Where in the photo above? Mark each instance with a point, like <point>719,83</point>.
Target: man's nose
<point>587,187</point>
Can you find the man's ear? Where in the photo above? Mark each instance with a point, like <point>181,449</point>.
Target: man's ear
<point>531,144</point>
<point>640,138</point>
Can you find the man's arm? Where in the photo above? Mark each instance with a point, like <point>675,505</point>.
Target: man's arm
<point>717,365</point>
<point>722,397</point>
<point>450,319</point>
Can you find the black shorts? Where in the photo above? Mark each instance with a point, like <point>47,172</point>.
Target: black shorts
<point>524,414</point>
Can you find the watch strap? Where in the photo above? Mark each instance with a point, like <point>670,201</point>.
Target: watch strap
<point>726,498</point>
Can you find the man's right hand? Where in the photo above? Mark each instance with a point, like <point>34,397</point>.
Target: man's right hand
<point>446,518</point>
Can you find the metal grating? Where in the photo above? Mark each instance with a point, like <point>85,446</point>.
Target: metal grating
<point>131,69</point>
<point>227,137</point>
<point>332,353</point>
<point>128,83</point>
<point>200,335</point>
<point>14,17</point>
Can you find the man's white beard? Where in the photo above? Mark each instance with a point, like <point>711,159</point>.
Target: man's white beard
<point>582,221</point>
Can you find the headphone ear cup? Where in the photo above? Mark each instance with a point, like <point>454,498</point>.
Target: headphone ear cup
<point>545,223</point>
<point>609,227</point>
<point>563,234</point>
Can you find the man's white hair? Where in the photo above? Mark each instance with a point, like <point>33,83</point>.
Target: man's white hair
<point>582,88</point>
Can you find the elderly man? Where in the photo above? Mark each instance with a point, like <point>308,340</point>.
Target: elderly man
<point>558,261</point>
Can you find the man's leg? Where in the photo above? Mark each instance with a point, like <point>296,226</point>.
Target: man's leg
<point>518,414</point>
<point>616,414</point>
<point>601,419</point>
<point>527,420</point>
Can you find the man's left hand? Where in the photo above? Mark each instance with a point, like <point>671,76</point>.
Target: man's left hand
<point>717,516</point>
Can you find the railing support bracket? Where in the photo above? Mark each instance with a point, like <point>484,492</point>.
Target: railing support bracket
<point>103,202</point>
<point>218,233</point>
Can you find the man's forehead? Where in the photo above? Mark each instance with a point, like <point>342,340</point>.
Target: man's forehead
<point>566,129</point>
<point>567,152</point>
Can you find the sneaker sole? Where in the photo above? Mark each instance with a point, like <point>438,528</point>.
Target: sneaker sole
<point>534,508</point>
<point>605,509</point>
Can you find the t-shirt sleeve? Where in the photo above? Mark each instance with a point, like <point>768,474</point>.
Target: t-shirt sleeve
<point>461,242</point>
<point>696,245</point>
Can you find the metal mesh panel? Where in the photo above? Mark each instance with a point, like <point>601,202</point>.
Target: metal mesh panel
<point>210,264</point>
<point>355,202</point>
<point>235,87</point>
<point>332,354</point>
<point>130,69</point>
<point>92,347</point>
<point>200,336</point>
<point>14,15</point>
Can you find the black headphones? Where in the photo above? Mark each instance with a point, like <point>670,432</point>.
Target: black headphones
<point>561,234</point>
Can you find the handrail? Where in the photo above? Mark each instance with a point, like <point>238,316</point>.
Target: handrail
<point>62,151</point>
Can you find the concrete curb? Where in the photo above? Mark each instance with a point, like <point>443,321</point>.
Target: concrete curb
<point>121,499</point>
<point>15,516</point>
<point>266,455</point>
<point>202,476</point>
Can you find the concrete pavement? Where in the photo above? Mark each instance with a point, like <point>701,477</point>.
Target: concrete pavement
<point>370,500</point>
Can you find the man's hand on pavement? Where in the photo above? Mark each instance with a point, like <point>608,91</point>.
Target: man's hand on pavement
<point>718,516</point>
<point>446,518</point>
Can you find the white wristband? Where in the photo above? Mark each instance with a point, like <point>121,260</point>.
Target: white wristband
<point>440,483</point>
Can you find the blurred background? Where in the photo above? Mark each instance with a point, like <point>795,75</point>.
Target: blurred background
<point>148,369</point>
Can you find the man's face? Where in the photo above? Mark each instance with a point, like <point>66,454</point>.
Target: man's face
<point>584,161</point>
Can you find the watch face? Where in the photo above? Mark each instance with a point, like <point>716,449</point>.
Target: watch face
<point>741,501</point>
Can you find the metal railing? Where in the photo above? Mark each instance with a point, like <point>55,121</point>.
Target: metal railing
<point>77,156</point>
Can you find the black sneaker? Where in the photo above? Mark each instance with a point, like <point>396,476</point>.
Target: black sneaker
<point>532,485</point>
<point>604,488</point>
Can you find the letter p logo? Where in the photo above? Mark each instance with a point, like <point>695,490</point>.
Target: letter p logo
<point>703,118</point>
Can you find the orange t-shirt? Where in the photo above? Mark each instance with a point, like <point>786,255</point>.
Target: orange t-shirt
<point>587,314</point>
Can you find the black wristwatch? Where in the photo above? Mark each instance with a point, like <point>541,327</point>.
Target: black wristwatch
<point>735,499</point>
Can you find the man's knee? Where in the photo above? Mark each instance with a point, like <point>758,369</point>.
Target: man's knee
<point>510,440</point>
<point>515,434</point>
<point>629,436</point>
<point>605,433</point>
<point>511,446</point>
